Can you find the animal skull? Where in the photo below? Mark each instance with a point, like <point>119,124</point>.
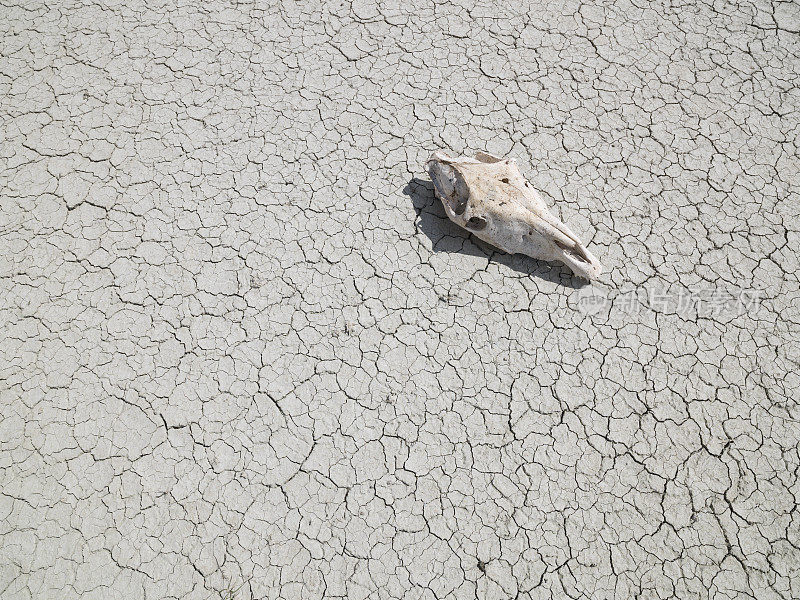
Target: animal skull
<point>489,197</point>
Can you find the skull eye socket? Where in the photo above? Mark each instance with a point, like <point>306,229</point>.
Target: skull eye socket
<point>476,223</point>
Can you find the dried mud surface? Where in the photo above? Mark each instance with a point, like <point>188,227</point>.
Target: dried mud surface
<point>244,354</point>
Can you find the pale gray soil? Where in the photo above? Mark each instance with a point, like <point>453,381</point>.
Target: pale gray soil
<point>243,354</point>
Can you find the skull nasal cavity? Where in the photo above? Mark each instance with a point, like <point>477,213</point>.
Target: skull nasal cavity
<point>575,251</point>
<point>476,223</point>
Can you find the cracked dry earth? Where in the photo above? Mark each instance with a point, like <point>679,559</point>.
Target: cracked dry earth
<point>246,355</point>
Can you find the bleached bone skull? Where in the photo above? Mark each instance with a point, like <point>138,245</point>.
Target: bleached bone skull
<point>489,197</point>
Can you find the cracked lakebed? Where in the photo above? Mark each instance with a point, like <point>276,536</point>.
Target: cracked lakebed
<point>244,354</point>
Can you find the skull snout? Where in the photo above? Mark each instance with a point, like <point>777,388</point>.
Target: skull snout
<point>553,236</point>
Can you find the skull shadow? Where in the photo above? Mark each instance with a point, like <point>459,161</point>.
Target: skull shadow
<point>446,236</point>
